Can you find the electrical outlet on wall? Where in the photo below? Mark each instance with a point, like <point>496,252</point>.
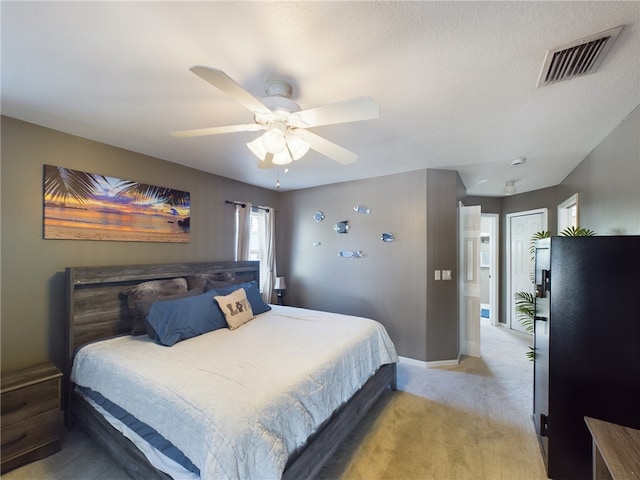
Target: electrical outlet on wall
<point>446,274</point>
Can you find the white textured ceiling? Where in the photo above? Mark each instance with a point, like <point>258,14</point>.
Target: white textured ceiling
<point>455,81</point>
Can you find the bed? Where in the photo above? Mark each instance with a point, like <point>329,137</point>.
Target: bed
<point>304,398</point>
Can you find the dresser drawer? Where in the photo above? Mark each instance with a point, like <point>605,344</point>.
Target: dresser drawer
<point>30,434</point>
<point>30,425</point>
<point>30,401</point>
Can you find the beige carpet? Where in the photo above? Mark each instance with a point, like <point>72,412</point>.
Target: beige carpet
<point>472,421</point>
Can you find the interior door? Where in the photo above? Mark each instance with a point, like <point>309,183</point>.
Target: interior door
<point>521,229</point>
<point>469,277</point>
<point>490,222</point>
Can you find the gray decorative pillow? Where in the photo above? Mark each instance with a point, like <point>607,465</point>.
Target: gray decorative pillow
<point>219,280</point>
<point>211,281</point>
<point>149,290</point>
<point>195,281</point>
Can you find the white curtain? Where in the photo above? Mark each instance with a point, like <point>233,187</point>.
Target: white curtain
<point>256,240</point>
<point>243,230</point>
<point>269,272</point>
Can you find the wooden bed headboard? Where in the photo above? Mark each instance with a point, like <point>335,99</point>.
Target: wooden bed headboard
<point>96,307</point>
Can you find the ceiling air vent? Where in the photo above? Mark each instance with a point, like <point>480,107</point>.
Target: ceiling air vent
<point>577,58</point>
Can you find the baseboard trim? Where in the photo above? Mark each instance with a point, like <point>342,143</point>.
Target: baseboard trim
<point>434,364</point>
<point>411,361</point>
<point>443,363</point>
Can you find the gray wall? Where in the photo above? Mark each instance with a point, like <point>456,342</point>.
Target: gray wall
<point>393,283</point>
<point>608,185</point>
<point>390,283</point>
<point>608,182</point>
<point>32,304</point>
<point>444,190</point>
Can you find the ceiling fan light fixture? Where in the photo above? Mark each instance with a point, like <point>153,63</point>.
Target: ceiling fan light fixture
<point>297,147</point>
<point>282,158</point>
<point>257,148</point>
<point>286,138</point>
<point>274,139</point>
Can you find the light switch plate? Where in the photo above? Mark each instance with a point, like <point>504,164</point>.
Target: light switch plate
<point>446,274</point>
<point>437,275</point>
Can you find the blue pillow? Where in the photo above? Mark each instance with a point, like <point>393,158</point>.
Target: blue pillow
<point>253,295</point>
<point>173,321</point>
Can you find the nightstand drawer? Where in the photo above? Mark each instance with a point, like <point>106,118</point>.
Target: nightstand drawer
<point>29,401</point>
<point>30,421</point>
<point>30,434</point>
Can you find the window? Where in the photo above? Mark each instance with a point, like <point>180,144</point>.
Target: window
<point>568,213</point>
<point>258,244</point>
<point>255,241</point>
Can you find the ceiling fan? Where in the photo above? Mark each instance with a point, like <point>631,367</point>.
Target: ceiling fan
<point>286,138</point>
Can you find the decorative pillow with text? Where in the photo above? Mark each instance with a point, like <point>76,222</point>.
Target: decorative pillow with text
<point>236,308</point>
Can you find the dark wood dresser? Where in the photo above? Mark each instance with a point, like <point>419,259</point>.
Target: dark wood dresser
<point>587,345</point>
<point>31,420</point>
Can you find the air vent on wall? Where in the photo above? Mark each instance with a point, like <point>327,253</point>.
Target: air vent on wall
<point>577,58</point>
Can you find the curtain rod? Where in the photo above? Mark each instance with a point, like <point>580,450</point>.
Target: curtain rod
<point>243,205</point>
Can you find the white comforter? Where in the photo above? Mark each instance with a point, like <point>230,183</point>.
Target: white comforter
<point>238,403</point>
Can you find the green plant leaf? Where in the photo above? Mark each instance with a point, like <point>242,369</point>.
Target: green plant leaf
<point>525,302</point>
<point>525,310</point>
<point>534,238</point>
<point>577,232</point>
<point>525,314</point>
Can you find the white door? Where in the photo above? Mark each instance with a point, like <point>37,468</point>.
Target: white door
<point>490,221</point>
<point>521,227</point>
<point>469,277</point>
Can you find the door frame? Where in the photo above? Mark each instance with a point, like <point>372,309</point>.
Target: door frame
<point>564,210</point>
<point>508,217</point>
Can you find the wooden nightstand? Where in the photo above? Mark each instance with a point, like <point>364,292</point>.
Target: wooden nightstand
<point>30,401</point>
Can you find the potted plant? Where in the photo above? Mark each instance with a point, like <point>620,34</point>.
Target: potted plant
<point>525,301</point>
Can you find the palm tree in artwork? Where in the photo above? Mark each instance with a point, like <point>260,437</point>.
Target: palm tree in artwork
<point>62,184</point>
<point>141,191</point>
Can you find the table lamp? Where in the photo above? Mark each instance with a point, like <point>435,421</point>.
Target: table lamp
<point>280,287</point>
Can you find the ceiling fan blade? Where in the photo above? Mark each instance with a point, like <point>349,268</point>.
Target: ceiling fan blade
<point>200,132</point>
<point>228,85</point>
<point>327,148</point>
<point>356,109</point>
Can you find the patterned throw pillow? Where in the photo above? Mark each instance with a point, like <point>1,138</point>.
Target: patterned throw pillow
<point>236,308</point>
<point>253,295</point>
<point>146,291</point>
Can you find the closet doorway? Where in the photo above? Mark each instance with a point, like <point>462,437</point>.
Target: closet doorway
<point>521,227</point>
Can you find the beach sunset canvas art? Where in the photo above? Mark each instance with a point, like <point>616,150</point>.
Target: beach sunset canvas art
<point>88,206</point>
